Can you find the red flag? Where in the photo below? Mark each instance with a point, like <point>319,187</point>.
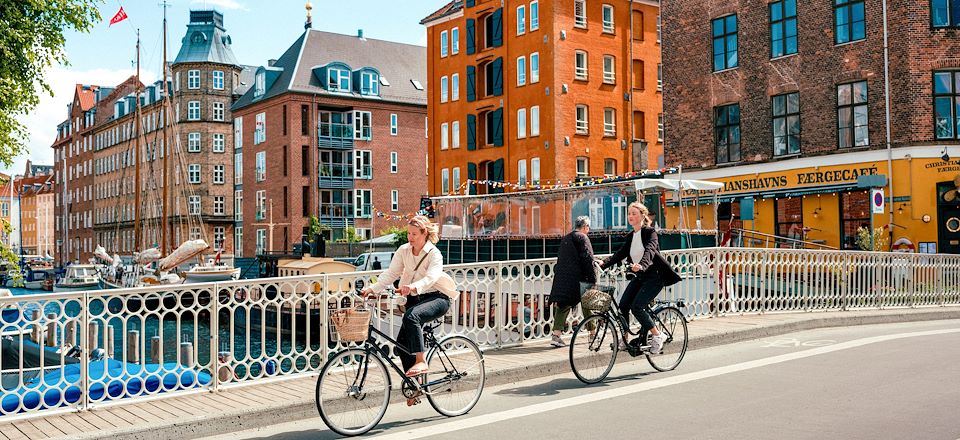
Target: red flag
<point>119,17</point>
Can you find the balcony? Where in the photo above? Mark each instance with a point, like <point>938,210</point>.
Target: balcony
<point>336,176</point>
<point>336,215</point>
<point>335,136</point>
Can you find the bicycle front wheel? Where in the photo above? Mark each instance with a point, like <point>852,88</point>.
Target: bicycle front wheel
<point>353,391</point>
<point>456,376</point>
<point>593,349</point>
<point>670,320</point>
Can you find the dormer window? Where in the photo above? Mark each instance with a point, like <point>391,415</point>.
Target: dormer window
<point>338,79</point>
<point>369,83</point>
<point>260,85</point>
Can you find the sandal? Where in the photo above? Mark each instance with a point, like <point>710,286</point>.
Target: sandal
<point>412,372</point>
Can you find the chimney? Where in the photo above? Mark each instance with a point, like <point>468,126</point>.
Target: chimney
<point>271,62</point>
<point>360,33</point>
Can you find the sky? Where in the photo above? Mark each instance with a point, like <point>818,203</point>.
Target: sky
<point>260,30</point>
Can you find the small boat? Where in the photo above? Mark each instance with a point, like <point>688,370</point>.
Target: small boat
<point>211,272</point>
<point>79,277</point>
<point>37,278</point>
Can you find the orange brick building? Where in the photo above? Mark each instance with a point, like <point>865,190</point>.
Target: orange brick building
<point>536,92</point>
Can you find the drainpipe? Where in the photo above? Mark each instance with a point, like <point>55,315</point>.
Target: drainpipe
<point>886,86</point>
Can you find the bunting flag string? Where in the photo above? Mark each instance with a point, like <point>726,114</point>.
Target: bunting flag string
<point>549,184</point>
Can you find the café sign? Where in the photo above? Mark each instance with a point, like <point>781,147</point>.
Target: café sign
<point>848,175</point>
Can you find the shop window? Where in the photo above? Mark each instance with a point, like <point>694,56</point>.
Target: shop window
<point>854,214</point>
<point>789,221</point>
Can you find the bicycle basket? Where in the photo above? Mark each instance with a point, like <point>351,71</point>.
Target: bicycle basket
<point>597,298</point>
<point>352,325</point>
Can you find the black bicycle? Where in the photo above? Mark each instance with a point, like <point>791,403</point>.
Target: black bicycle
<point>597,340</point>
<point>353,390</point>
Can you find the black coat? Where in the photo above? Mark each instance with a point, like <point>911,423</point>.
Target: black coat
<point>652,259</point>
<point>574,264</point>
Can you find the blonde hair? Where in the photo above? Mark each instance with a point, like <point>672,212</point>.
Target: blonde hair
<point>644,213</point>
<point>429,228</point>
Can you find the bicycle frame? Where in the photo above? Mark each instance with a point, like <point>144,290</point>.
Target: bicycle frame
<point>372,347</point>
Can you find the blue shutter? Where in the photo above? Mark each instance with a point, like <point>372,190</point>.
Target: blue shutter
<point>497,24</point>
<point>472,175</point>
<point>471,132</point>
<point>498,127</point>
<point>471,83</point>
<point>471,36</point>
<point>497,175</point>
<point>497,66</point>
<point>471,3</point>
<point>355,81</point>
<point>607,212</point>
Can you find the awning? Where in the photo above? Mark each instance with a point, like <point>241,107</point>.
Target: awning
<point>676,184</point>
<point>774,194</point>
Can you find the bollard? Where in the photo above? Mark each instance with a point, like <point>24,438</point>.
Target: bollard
<point>36,334</point>
<point>51,330</point>
<point>133,346</point>
<point>155,350</point>
<point>108,341</point>
<point>186,354</point>
<point>93,336</point>
<point>71,333</point>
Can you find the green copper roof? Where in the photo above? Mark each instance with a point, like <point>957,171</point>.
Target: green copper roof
<point>206,40</point>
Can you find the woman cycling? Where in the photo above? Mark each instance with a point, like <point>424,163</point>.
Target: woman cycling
<point>649,271</point>
<point>419,266</point>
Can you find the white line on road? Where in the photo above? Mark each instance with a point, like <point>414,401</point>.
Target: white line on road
<point>486,419</point>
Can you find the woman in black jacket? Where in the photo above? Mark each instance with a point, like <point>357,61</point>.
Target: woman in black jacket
<point>651,272</point>
<point>574,265</point>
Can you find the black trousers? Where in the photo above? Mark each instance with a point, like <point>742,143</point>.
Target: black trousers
<point>639,292</point>
<point>420,309</point>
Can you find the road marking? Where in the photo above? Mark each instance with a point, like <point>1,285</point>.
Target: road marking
<point>794,342</point>
<point>486,419</point>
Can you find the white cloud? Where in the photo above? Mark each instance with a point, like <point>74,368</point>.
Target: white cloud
<point>223,4</point>
<point>42,122</point>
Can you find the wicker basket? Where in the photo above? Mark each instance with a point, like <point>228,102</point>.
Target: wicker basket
<point>353,325</point>
<point>597,298</point>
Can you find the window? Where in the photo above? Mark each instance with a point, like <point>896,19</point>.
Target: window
<point>361,203</point>
<point>789,219</point>
<point>218,236</point>
<point>786,124</point>
<point>444,83</point>
<point>305,201</point>
<point>854,214</point>
<point>261,241</point>
<point>580,66</point>
<point>455,135</point>
<point>193,142</point>
<point>217,111</point>
<point>945,102</point>
<point>259,85</point>
<point>944,13</point>
<point>416,84</point>
<point>725,43</point>
<point>393,124</point>
<point>394,200</point>
<point>521,20</point>
<point>609,167</point>
<point>217,79</point>
<point>193,79</point>
<point>660,128</point>
<point>534,67</point>
<point>534,16</point>
<point>849,21</point>
<point>238,242</point>
<point>521,123</point>
<point>783,28</point>
<point>490,123</point>
<point>522,172</point>
<point>261,166</point>
<point>193,111</point>
<point>582,122</point>
<point>218,174</point>
<point>609,122</point>
<point>218,205</point>
<point>194,173</point>
<point>218,143</point>
<point>726,127</point>
<point>361,125</point>
<point>304,120</point>
<point>852,115</point>
<point>194,205</point>
<point>456,180</point>
<point>609,72</point>
<point>338,79</point>
<point>608,18</point>
<point>583,166</point>
<point>363,164</point>
<point>658,29</point>
<point>393,162</point>
<point>521,71</point>
<point>444,136</point>
<point>444,43</point>
<point>261,205</point>
<point>535,121</point>
<point>260,129</point>
<point>445,181</point>
<point>369,84</point>
<point>455,41</point>
<point>304,160</point>
<point>659,77</point>
<point>238,205</point>
<point>238,132</point>
<point>580,13</point>
<point>455,87</point>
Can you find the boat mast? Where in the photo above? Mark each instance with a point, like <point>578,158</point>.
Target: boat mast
<point>166,150</point>
<point>136,157</point>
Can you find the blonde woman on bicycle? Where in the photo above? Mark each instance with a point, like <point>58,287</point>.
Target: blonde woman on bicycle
<point>648,272</point>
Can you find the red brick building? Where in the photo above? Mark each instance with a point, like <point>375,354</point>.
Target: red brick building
<point>786,102</point>
<point>334,127</point>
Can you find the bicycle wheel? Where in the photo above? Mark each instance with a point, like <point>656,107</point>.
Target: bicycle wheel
<point>591,359</point>
<point>456,376</point>
<point>353,391</point>
<point>671,321</point>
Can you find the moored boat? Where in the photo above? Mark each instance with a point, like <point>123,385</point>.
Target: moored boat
<point>79,277</point>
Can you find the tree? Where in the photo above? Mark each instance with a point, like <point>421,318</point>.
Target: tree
<point>31,40</point>
<point>350,235</point>
<point>399,237</point>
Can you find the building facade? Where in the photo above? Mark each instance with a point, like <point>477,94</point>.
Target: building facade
<point>333,128</point>
<point>531,93</point>
<point>794,106</point>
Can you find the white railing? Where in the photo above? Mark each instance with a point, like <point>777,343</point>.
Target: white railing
<point>170,340</point>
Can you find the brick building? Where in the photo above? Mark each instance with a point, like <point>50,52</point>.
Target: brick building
<point>785,102</point>
<point>538,92</point>
<point>335,127</point>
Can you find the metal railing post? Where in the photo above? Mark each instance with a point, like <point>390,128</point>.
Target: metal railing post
<point>718,282</point>
<point>844,280</point>
<point>324,319</point>
<point>502,309</point>
<point>523,294</point>
<point>215,335</point>
<point>85,353</point>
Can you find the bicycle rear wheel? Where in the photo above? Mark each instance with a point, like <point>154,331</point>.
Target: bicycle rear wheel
<point>456,376</point>
<point>671,321</point>
<point>592,358</point>
<point>353,391</point>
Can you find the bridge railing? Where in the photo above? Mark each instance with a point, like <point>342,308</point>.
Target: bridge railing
<point>144,343</point>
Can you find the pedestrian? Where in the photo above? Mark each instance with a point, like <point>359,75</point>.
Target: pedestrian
<point>574,266</point>
<point>321,245</point>
<point>648,272</point>
<point>376,264</point>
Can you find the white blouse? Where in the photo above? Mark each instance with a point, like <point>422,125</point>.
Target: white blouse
<point>636,247</point>
<point>402,266</point>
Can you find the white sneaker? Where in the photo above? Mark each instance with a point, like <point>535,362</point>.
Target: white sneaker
<point>656,343</point>
<point>556,341</point>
